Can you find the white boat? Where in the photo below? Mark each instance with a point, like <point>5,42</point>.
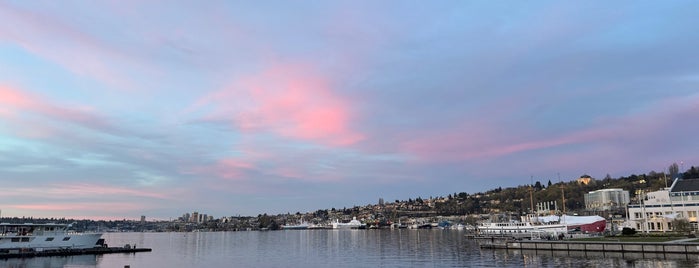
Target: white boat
<point>41,237</point>
<point>549,224</point>
<point>353,224</point>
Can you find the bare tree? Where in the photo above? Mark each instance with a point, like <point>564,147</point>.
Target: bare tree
<point>674,170</point>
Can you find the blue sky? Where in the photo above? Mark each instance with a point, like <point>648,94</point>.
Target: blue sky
<point>116,109</point>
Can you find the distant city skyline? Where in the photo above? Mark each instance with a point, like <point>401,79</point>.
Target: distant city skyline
<point>113,110</point>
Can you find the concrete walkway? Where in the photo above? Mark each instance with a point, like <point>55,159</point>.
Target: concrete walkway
<point>682,240</point>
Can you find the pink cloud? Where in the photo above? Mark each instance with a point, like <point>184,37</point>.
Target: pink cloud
<point>644,129</point>
<point>229,169</point>
<point>73,191</point>
<point>113,207</point>
<point>289,100</point>
<point>53,39</point>
<point>19,106</point>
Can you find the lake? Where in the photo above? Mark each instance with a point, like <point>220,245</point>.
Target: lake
<point>334,248</point>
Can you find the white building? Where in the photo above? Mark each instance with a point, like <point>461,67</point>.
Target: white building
<point>658,209</point>
<point>606,199</point>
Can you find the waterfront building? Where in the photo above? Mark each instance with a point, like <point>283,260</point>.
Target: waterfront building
<point>657,210</point>
<point>606,199</point>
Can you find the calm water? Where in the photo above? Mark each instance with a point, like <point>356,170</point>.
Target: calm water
<point>334,248</point>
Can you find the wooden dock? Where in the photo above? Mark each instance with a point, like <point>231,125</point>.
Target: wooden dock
<point>28,253</point>
<point>597,246</point>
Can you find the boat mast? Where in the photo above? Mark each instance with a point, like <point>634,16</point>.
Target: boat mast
<point>531,196</point>
<point>562,194</point>
<point>564,200</point>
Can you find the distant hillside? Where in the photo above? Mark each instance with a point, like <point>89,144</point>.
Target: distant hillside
<point>517,199</point>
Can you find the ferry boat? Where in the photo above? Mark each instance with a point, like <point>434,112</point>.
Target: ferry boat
<point>549,225</point>
<point>41,237</point>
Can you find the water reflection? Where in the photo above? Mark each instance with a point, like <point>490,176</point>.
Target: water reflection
<point>50,262</point>
<point>338,248</point>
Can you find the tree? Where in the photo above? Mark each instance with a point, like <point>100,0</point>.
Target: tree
<point>549,184</point>
<point>628,231</point>
<point>682,226</point>
<point>674,170</point>
<point>538,186</point>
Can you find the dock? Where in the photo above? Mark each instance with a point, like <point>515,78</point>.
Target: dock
<point>70,252</point>
<point>597,246</point>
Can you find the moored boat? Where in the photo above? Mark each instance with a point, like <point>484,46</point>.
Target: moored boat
<point>41,237</point>
<point>353,224</point>
<point>546,225</point>
<point>301,226</point>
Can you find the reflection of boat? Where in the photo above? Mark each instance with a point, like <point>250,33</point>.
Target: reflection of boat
<point>549,224</point>
<point>88,260</point>
<point>353,224</point>
<point>44,236</point>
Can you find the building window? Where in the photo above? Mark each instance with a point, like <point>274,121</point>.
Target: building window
<point>692,214</point>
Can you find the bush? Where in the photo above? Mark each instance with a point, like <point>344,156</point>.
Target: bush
<point>628,231</point>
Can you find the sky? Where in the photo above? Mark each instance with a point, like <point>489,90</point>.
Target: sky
<point>117,109</point>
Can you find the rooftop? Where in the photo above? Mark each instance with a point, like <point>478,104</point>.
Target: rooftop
<point>685,185</point>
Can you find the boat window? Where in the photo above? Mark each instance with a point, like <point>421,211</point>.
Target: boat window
<point>25,239</point>
<point>66,238</point>
<point>49,239</point>
<point>15,239</point>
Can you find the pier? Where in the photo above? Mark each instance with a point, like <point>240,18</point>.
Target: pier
<point>598,246</point>
<point>28,253</point>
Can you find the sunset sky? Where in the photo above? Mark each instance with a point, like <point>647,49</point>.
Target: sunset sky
<point>116,109</point>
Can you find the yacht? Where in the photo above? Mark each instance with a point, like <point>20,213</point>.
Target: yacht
<point>353,224</point>
<point>49,236</point>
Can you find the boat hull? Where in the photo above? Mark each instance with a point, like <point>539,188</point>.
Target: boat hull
<point>52,241</point>
<point>595,227</point>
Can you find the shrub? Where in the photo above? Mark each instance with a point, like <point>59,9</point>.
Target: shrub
<point>628,231</point>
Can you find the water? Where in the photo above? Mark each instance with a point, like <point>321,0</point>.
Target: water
<point>335,248</point>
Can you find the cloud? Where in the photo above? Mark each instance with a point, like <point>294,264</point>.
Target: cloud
<point>288,100</point>
<point>51,38</point>
<point>83,191</point>
<point>650,128</point>
<point>18,106</point>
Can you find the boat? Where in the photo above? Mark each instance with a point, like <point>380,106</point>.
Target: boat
<point>353,224</point>
<point>48,236</point>
<point>301,226</point>
<point>545,225</point>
